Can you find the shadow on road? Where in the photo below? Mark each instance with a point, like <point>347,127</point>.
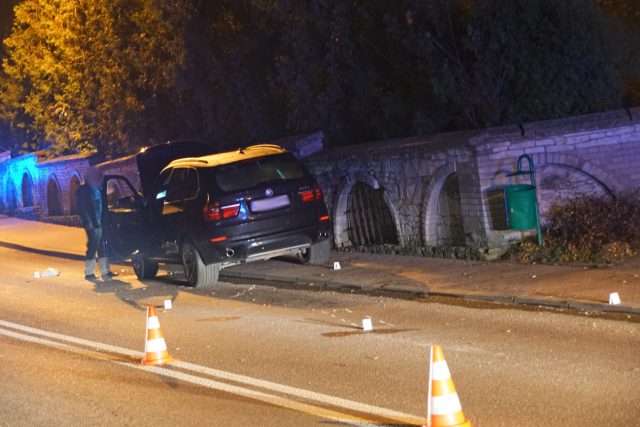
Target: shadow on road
<point>140,294</point>
<point>137,297</point>
<point>57,254</point>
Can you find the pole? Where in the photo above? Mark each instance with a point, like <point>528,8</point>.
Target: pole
<point>532,176</point>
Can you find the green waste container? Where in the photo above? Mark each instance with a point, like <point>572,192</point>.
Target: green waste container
<point>521,206</point>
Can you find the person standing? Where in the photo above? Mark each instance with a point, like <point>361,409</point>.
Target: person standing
<point>89,208</point>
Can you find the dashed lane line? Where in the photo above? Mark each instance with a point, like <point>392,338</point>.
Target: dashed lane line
<point>106,351</point>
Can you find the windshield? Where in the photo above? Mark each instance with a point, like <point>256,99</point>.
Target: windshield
<point>254,172</point>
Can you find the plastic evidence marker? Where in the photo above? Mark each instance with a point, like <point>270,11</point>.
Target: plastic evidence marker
<point>614,298</point>
<point>336,265</point>
<point>167,304</point>
<point>367,324</point>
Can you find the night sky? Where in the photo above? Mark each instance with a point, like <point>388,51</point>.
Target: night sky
<point>6,16</point>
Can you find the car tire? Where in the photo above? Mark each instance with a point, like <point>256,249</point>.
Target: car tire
<point>316,254</point>
<point>197,273</point>
<point>144,268</point>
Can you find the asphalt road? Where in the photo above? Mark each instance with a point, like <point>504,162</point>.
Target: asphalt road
<point>271,356</point>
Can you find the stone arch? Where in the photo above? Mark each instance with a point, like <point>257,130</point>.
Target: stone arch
<point>74,184</point>
<point>54,198</point>
<point>11,201</point>
<point>28,198</point>
<point>587,168</point>
<point>559,182</point>
<point>369,218</point>
<point>340,214</point>
<point>445,175</point>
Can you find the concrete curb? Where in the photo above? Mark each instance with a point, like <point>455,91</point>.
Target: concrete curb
<point>390,290</point>
<point>407,291</point>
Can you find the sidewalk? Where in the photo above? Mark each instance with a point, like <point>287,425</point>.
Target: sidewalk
<point>580,288</point>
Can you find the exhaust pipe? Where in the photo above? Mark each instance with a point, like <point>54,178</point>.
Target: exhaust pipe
<point>229,253</point>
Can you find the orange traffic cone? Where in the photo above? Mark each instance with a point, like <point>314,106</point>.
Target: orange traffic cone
<point>155,349</point>
<point>443,407</point>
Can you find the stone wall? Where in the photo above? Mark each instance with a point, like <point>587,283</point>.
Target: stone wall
<point>410,172</point>
<point>51,182</point>
<point>595,154</point>
<point>440,190</point>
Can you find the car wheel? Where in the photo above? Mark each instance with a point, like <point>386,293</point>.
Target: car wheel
<point>197,273</point>
<point>318,253</point>
<point>144,268</point>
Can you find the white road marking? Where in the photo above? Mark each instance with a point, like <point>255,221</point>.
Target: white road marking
<point>293,392</point>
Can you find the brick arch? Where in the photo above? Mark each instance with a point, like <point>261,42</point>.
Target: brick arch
<point>430,202</point>
<point>340,221</point>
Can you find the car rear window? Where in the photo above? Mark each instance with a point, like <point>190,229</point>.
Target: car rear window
<point>252,173</point>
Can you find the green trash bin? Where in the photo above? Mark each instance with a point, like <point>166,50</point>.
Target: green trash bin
<point>521,206</point>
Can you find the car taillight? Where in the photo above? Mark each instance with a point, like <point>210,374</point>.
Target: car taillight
<point>314,195</point>
<point>212,211</point>
<point>230,211</point>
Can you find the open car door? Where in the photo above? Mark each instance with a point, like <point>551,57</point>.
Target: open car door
<point>124,228</point>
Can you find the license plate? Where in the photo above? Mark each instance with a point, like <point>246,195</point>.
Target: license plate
<point>270,204</point>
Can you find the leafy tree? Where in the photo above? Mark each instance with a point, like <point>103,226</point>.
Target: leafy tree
<point>8,140</point>
<point>629,12</point>
<point>115,74</point>
<point>501,62</point>
<point>80,74</point>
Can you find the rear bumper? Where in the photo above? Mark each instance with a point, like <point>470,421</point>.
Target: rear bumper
<point>262,247</point>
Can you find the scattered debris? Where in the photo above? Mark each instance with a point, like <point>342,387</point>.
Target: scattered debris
<point>336,265</point>
<point>49,272</point>
<point>167,304</point>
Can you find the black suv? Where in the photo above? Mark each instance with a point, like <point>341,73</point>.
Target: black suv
<point>209,211</point>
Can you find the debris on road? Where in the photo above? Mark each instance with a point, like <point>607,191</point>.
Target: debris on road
<point>49,272</point>
<point>167,304</point>
<point>336,265</point>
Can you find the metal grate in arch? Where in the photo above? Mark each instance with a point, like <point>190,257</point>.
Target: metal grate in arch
<point>369,219</point>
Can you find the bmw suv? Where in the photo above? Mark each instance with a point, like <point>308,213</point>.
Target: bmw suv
<point>210,211</point>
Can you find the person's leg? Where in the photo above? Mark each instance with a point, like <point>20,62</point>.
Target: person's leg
<point>93,242</point>
<point>103,261</point>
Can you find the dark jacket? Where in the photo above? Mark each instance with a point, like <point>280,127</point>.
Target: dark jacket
<point>89,205</point>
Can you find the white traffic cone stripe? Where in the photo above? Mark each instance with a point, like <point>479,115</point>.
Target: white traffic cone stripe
<point>155,345</point>
<point>440,371</point>
<point>153,323</point>
<point>444,405</point>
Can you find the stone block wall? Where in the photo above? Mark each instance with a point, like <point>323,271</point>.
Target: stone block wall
<point>51,182</point>
<point>410,173</point>
<point>593,154</point>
